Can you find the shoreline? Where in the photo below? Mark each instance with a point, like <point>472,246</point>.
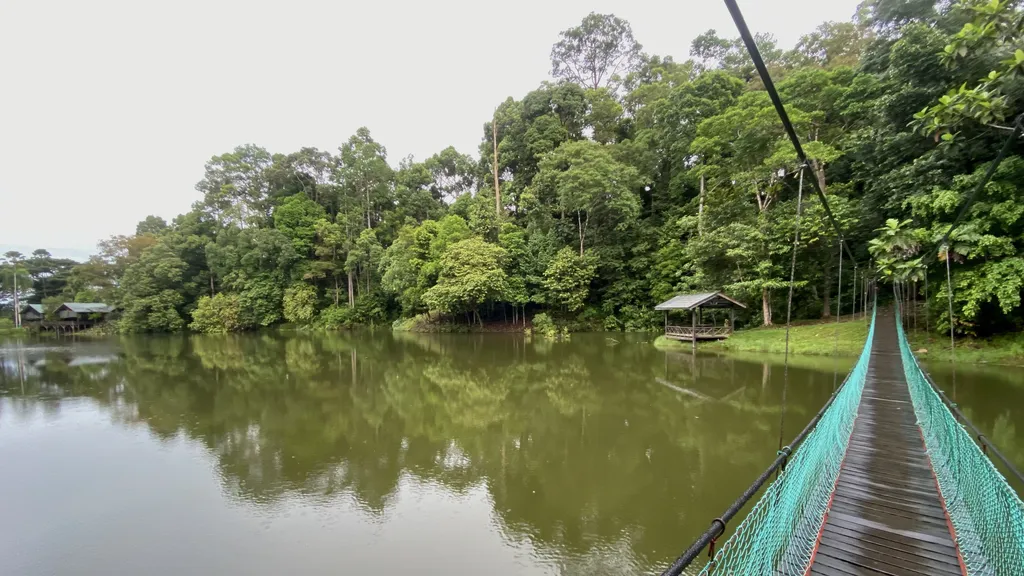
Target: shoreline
<point>820,339</point>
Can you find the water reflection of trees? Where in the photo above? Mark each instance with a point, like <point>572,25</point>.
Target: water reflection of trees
<point>579,444</point>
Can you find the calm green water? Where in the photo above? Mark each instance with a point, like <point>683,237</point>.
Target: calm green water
<point>365,453</point>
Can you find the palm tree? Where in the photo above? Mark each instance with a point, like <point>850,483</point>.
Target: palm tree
<point>895,245</point>
<point>895,240</point>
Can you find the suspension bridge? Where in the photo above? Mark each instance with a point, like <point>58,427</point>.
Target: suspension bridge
<point>889,477</point>
<point>886,479</point>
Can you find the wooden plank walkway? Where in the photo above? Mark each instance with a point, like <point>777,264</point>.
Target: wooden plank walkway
<point>886,515</point>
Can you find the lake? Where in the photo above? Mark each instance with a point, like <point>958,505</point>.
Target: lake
<point>369,452</point>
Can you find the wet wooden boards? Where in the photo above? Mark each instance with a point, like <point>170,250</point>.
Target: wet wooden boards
<point>886,515</point>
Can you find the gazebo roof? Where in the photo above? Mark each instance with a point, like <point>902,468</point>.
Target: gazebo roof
<point>703,299</point>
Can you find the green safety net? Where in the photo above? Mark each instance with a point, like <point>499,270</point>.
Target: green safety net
<point>779,533</point>
<point>987,514</point>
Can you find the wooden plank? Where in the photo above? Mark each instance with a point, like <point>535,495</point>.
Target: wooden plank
<point>892,507</point>
<point>847,568</point>
<point>939,549</point>
<point>909,559</point>
<point>861,560</point>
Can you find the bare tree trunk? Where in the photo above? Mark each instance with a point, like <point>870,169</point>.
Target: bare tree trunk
<point>212,292</point>
<point>826,299</point>
<point>494,164</point>
<point>17,304</point>
<point>335,289</point>
<point>766,307</point>
<point>700,209</point>
<point>351,291</point>
<point>579,226</point>
<point>914,294</point>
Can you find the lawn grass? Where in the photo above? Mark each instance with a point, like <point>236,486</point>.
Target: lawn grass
<point>1007,349</point>
<point>819,339</point>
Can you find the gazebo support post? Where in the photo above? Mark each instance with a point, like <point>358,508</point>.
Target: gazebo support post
<point>693,322</point>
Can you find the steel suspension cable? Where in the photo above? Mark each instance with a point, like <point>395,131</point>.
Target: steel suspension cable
<point>792,264</point>
<point>839,313</point>
<point>789,306</point>
<point>769,86</point>
<point>949,291</point>
<point>853,314</point>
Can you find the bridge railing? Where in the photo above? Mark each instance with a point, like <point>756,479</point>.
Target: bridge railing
<point>987,515</point>
<point>781,529</point>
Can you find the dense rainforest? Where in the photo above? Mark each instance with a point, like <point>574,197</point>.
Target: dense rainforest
<point>627,179</point>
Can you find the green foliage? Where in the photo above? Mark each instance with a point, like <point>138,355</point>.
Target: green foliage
<point>337,317</point>
<point>297,218</point>
<point>300,301</point>
<point>471,273</point>
<point>151,296</point>
<point>586,181</point>
<point>49,275</point>
<point>156,312</point>
<point>50,306</point>
<point>365,174</point>
<point>992,39</point>
<point>567,279</point>
<point>598,51</point>
<point>151,225</point>
<point>217,315</point>
<point>544,326</point>
<point>368,310</point>
<point>261,302</point>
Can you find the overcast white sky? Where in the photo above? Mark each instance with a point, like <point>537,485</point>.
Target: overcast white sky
<point>109,109</point>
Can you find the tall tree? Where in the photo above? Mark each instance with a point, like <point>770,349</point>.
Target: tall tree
<point>365,174</point>
<point>49,274</point>
<point>596,53</point>
<point>471,274</point>
<point>236,186</point>
<point>14,280</point>
<point>452,174</point>
<point>589,186</point>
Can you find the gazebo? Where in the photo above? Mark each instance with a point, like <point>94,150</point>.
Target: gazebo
<point>695,304</point>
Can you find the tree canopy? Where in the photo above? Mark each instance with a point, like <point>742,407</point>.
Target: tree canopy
<point>627,179</point>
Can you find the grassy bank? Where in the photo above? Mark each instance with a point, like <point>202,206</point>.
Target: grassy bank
<point>7,328</point>
<point>437,324</point>
<point>1006,349</point>
<point>819,339</point>
<point>811,339</point>
<point>663,343</point>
